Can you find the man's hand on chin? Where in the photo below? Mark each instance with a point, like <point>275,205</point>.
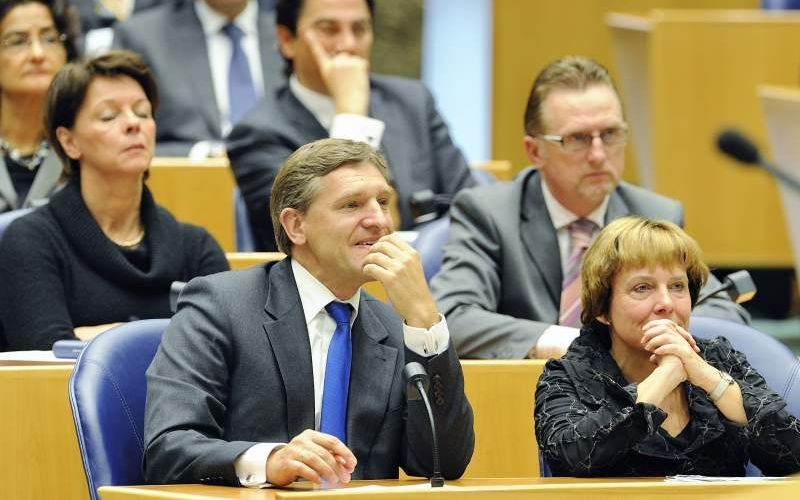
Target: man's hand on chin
<point>397,265</point>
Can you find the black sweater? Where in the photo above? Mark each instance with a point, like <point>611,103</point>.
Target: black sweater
<point>59,271</point>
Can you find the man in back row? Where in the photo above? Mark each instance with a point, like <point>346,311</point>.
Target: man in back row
<point>509,283</point>
<point>288,370</point>
<point>326,44</point>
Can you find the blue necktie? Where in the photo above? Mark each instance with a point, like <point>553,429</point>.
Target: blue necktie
<point>333,419</point>
<point>241,91</point>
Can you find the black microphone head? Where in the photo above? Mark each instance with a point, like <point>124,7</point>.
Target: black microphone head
<point>736,145</point>
<point>414,371</point>
<point>740,285</point>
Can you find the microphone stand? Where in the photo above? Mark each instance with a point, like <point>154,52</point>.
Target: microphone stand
<point>417,376</point>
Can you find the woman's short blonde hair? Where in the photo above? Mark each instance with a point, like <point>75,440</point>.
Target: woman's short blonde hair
<point>636,242</point>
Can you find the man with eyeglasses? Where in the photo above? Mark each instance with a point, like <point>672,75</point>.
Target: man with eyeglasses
<point>509,283</point>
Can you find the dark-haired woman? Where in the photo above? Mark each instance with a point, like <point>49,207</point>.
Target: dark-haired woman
<point>36,39</point>
<point>101,251</point>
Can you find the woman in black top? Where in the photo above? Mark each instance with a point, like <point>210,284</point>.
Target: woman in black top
<point>101,251</point>
<point>635,394</point>
<point>37,37</point>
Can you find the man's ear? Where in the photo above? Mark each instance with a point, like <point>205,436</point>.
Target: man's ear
<point>292,222</point>
<point>533,150</point>
<point>286,41</point>
<point>67,141</point>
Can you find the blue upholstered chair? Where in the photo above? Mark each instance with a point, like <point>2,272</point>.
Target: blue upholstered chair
<point>771,358</point>
<point>430,242</point>
<point>107,395</point>
<point>245,241</point>
<point>7,217</point>
<point>780,4</point>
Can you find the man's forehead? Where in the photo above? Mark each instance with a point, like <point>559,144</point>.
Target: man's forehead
<point>563,105</point>
<point>314,11</point>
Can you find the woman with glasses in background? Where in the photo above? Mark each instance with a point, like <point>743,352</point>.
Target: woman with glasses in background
<point>36,39</point>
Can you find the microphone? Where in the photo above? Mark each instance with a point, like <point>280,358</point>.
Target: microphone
<point>417,379</point>
<point>739,285</point>
<point>427,205</point>
<point>737,146</point>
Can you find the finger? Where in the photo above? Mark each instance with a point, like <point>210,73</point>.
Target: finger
<point>301,469</point>
<point>325,467</point>
<point>673,349</point>
<point>342,453</point>
<point>319,52</point>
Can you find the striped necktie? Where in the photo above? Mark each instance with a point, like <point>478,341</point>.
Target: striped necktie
<point>580,235</point>
<point>333,418</point>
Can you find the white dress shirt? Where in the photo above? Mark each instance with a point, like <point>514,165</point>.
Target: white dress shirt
<point>314,296</point>
<point>220,51</point>
<point>342,125</point>
<point>557,337</point>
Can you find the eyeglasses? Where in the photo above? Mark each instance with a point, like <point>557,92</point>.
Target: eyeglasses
<point>20,42</point>
<point>581,141</point>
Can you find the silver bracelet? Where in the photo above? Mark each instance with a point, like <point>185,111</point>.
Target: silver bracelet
<point>725,381</point>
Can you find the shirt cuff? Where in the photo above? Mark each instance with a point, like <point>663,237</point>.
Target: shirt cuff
<point>427,342</point>
<point>555,341</point>
<point>251,466</point>
<point>358,128</point>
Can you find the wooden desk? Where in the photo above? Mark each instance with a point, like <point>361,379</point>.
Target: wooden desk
<point>501,395</point>
<point>686,74</point>
<point>485,489</point>
<point>39,457</point>
<point>40,451</point>
<point>197,192</point>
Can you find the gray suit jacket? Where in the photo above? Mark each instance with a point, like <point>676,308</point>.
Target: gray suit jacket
<point>500,282</point>
<point>45,181</point>
<point>170,39</point>
<point>234,369</point>
<point>416,143</point>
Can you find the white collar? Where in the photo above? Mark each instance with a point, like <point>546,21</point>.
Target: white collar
<point>562,216</point>
<point>314,296</point>
<point>320,105</point>
<point>212,21</point>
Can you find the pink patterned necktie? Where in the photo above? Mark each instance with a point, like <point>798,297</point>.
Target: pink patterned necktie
<point>580,235</point>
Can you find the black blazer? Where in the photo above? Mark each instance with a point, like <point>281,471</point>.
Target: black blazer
<point>234,369</point>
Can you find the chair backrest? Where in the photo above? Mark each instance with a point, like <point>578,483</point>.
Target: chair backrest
<point>245,241</point>
<point>780,4</point>
<point>430,242</point>
<point>779,366</point>
<point>7,217</point>
<point>107,394</point>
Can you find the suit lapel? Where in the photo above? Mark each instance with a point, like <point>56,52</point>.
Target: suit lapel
<point>394,145</point>
<point>188,36</point>
<point>271,61</point>
<point>539,235</point>
<point>8,195</point>
<point>616,207</point>
<point>371,377</point>
<point>305,123</point>
<point>46,178</point>
<point>288,336</point>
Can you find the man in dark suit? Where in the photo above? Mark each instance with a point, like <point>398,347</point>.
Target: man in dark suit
<point>243,389</point>
<point>514,249</point>
<point>189,47</point>
<point>332,94</point>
